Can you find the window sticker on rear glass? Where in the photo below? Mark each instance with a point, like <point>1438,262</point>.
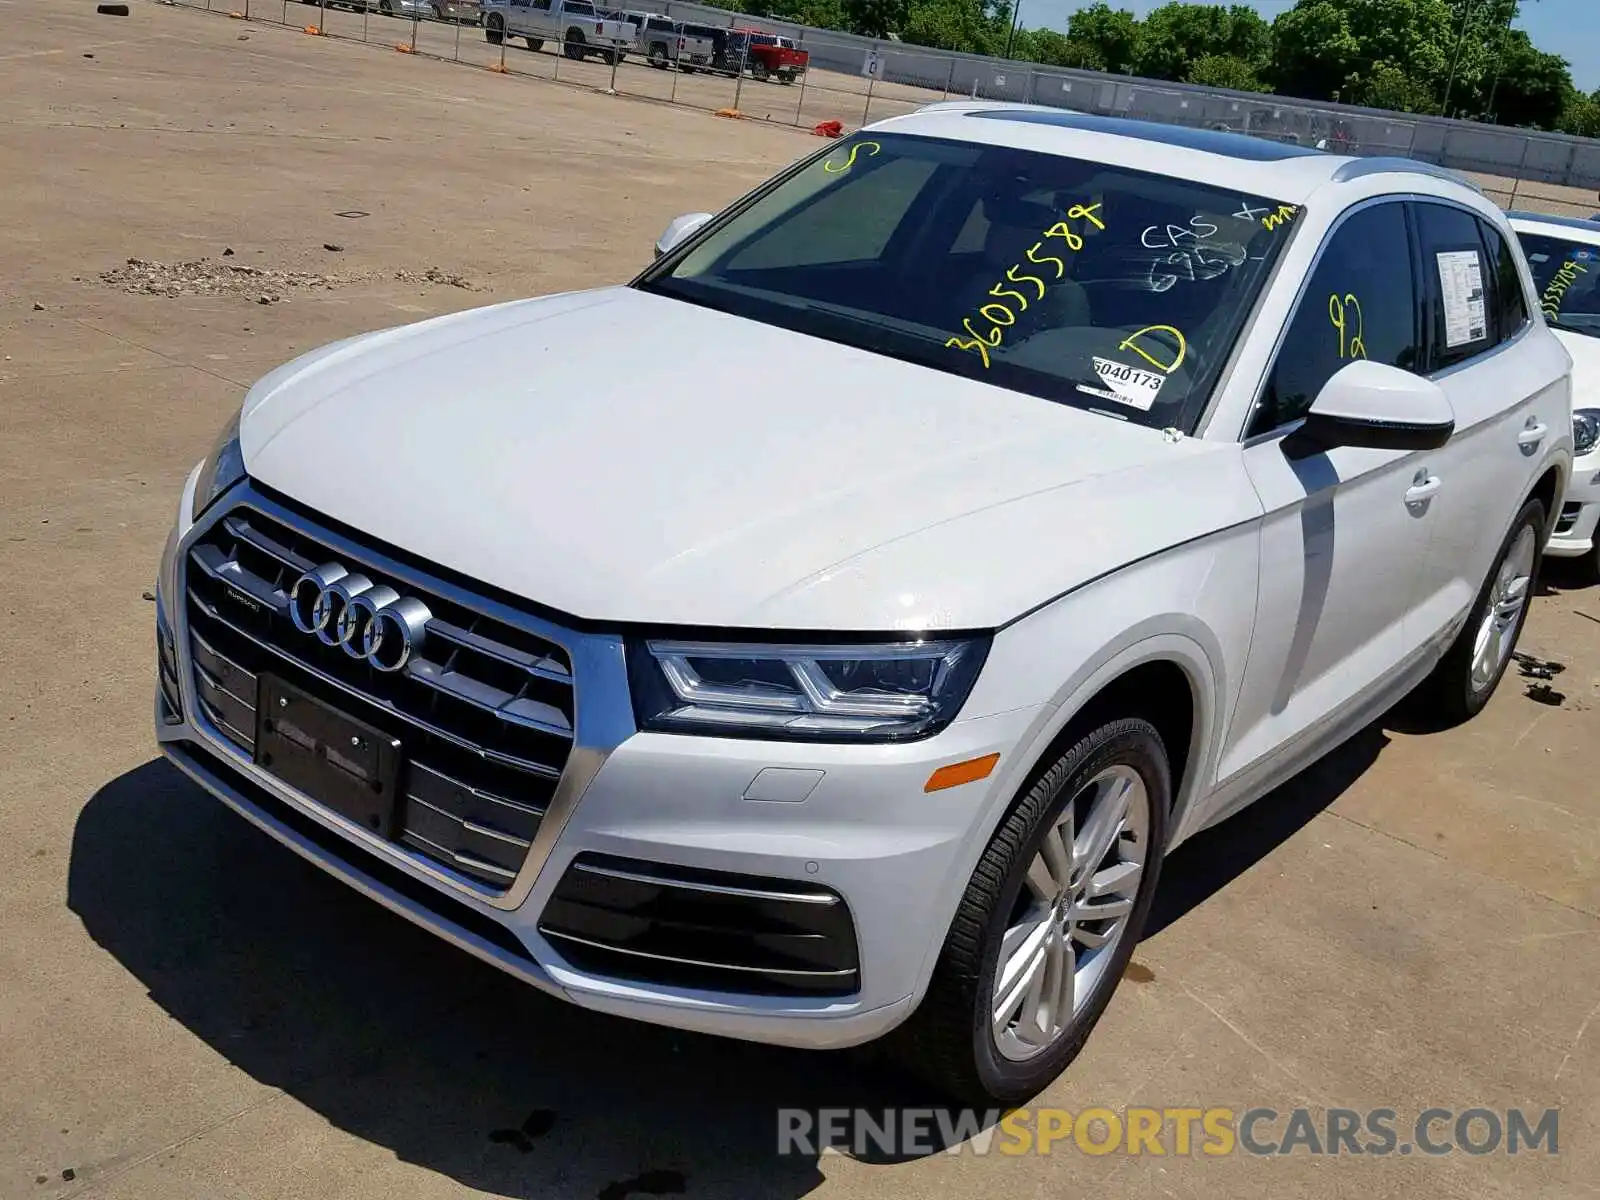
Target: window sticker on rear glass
<point>1461,289</point>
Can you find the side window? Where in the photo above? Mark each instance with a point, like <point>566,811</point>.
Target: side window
<point>1510,305</point>
<point>1361,302</point>
<point>1456,280</point>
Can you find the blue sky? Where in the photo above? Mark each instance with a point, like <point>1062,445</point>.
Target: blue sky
<point>1570,28</point>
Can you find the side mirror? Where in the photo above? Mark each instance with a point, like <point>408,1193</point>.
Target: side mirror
<point>1376,406</point>
<point>680,228</point>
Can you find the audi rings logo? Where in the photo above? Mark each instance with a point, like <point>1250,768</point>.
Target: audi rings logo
<point>365,619</point>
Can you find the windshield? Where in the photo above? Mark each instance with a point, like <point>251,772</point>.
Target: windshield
<point>1566,276</point>
<point>1079,282</point>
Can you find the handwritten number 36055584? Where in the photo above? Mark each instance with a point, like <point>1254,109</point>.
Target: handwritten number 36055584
<point>999,316</point>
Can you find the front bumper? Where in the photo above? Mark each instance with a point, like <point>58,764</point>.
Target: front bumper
<point>859,825</point>
<point>1578,520</point>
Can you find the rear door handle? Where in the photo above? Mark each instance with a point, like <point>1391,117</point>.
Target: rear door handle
<point>1533,434</point>
<point>1423,488</point>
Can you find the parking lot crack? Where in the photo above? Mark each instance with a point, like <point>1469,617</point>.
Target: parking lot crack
<point>1432,853</point>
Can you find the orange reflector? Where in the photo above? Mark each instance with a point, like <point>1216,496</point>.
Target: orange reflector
<point>956,774</point>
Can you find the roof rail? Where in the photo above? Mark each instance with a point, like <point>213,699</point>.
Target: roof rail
<point>1394,164</point>
<point>974,105</point>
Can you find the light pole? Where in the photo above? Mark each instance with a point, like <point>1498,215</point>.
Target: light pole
<point>1455,59</point>
<point>1016,16</point>
<point>1499,65</point>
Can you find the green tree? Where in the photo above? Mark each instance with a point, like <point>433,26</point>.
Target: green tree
<point>820,14</point>
<point>1226,71</point>
<point>976,26</point>
<point>1327,46</point>
<point>875,18</point>
<point>1385,85</point>
<point>1175,35</point>
<point>1527,87</point>
<point>1580,114</point>
<point>1111,35</point>
<point>1057,49</point>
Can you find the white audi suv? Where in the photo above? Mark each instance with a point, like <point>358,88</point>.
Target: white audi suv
<point>1012,494</point>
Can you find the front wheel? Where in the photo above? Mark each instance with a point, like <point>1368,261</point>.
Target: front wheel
<point>494,29</point>
<point>573,47</point>
<point>1472,668</point>
<point>535,43</point>
<point>759,70</point>
<point>1048,922</point>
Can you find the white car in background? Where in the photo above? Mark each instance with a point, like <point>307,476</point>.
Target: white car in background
<point>1564,256</point>
<point>847,664</point>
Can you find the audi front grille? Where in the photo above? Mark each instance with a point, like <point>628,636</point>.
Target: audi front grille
<point>482,708</point>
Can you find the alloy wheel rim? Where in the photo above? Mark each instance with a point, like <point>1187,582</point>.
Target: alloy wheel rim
<point>1072,913</point>
<point>1508,597</point>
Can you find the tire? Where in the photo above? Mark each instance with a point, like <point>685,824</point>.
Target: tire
<point>385,8</point>
<point>687,70</point>
<point>658,56</point>
<point>534,43</point>
<point>494,29</point>
<point>786,78</point>
<point>573,45</point>
<point>1462,683</point>
<point>950,1041</point>
<point>759,70</point>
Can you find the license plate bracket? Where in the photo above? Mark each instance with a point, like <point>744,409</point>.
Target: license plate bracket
<point>343,764</point>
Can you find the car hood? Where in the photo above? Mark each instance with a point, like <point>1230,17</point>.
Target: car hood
<point>623,457</point>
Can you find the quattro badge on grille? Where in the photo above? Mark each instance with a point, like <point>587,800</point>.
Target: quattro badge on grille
<point>365,619</point>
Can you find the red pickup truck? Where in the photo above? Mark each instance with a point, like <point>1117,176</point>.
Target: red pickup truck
<point>765,55</point>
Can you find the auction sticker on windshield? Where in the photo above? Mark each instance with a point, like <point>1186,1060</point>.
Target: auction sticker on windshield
<point>1133,386</point>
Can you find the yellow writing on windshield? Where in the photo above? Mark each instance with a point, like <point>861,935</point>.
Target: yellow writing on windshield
<point>1001,317</point>
<point>1556,290</point>
<point>1340,310</point>
<point>1285,214</point>
<point>1131,342</point>
<point>839,168</point>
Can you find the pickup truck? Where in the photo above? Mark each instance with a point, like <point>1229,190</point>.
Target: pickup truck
<point>764,55</point>
<point>575,24</point>
<point>664,42</point>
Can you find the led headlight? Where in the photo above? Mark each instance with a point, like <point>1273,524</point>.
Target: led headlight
<point>1585,430</point>
<point>223,468</point>
<point>884,692</point>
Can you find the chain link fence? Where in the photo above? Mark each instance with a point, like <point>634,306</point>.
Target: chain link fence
<point>854,80</point>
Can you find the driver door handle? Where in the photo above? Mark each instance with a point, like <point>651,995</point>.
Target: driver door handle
<point>1423,488</point>
<point>1533,434</point>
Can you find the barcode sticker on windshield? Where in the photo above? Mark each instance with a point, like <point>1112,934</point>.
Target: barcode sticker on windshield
<point>1133,386</point>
